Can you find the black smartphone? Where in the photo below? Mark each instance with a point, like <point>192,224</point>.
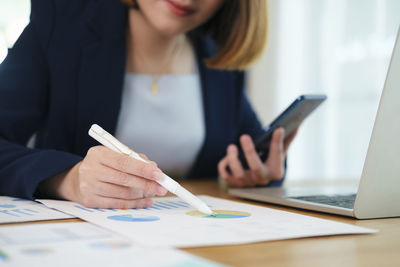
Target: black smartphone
<point>289,119</point>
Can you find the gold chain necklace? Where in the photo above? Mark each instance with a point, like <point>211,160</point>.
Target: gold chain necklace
<point>155,78</point>
<point>154,84</point>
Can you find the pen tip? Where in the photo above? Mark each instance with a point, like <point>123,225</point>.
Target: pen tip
<point>206,210</point>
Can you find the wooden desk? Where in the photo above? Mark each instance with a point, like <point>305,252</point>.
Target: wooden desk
<point>381,249</point>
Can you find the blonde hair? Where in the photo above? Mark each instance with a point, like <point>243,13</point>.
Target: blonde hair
<point>239,30</point>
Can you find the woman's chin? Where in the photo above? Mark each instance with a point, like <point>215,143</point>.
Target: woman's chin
<point>169,30</point>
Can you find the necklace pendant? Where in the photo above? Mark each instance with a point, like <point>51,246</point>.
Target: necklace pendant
<point>154,88</point>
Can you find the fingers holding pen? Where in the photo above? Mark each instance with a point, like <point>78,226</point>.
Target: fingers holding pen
<point>109,174</point>
<point>126,164</point>
<point>123,179</point>
<point>123,170</point>
<point>115,191</point>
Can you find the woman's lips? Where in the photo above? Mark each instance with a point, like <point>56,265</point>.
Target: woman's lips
<point>179,9</point>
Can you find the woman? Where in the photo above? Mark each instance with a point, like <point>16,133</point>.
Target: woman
<point>154,74</point>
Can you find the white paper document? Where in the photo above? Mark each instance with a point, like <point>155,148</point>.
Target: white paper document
<point>82,244</point>
<point>22,210</point>
<point>172,222</point>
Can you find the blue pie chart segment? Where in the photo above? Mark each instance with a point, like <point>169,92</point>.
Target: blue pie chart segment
<point>133,218</point>
<point>220,214</point>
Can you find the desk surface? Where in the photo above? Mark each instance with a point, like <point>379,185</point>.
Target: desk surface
<point>381,249</point>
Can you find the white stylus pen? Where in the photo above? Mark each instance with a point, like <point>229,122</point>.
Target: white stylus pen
<point>168,183</point>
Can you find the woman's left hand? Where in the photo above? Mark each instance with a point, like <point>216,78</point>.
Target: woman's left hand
<point>259,173</point>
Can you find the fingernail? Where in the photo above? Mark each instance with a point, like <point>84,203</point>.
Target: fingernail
<point>157,175</point>
<point>161,190</point>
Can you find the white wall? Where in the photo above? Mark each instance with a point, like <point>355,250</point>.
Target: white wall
<point>337,47</point>
<point>14,16</point>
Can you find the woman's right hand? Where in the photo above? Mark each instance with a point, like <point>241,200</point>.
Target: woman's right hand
<point>107,179</point>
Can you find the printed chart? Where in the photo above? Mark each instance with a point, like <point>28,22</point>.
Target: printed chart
<point>110,244</point>
<point>3,256</point>
<point>179,225</point>
<point>82,244</point>
<point>133,218</point>
<point>220,214</point>
<point>22,210</point>
<point>12,210</point>
<point>168,205</point>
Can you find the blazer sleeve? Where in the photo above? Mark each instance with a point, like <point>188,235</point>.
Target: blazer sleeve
<point>249,122</point>
<point>24,83</point>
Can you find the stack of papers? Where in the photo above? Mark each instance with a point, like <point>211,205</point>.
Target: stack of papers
<point>22,210</point>
<point>82,244</point>
<point>172,222</point>
<point>144,237</point>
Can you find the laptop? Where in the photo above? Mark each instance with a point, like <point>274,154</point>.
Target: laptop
<point>378,192</point>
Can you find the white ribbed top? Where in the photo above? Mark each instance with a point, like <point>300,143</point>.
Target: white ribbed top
<point>167,127</point>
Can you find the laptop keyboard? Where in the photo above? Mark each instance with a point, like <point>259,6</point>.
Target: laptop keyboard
<point>343,201</point>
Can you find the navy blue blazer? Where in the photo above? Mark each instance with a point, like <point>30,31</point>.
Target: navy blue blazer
<point>65,73</point>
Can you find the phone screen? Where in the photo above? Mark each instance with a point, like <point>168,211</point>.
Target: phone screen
<point>289,119</point>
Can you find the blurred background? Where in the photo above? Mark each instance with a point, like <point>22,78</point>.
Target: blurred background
<point>14,16</point>
<point>340,48</point>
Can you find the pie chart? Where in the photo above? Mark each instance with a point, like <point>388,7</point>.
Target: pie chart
<point>220,214</point>
<point>133,218</point>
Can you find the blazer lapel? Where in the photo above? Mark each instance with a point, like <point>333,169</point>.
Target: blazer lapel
<point>102,70</point>
<point>216,101</point>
